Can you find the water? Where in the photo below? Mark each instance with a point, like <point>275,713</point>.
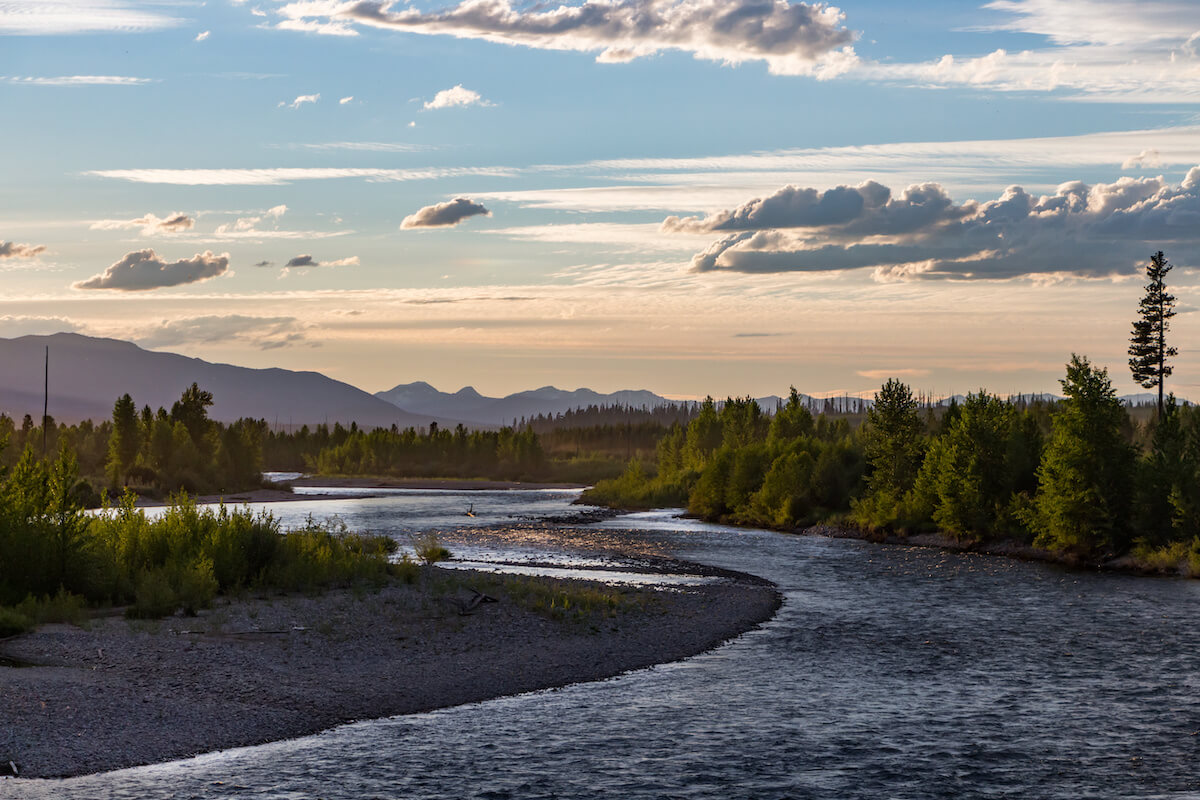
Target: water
<point>889,672</point>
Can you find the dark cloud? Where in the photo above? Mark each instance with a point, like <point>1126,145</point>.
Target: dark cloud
<point>1080,230</point>
<point>301,261</point>
<point>14,250</point>
<point>791,37</point>
<point>142,270</point>
<point>445,214</point>
<point>267,333</point>
<point>264,264</point>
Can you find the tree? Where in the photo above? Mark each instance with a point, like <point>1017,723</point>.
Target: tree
<point>1148,349</point>
<point>894,439</point>
<point>125,441</point>
<point>1085,478</point>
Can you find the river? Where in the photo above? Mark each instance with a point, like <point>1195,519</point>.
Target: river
<point>889,672</point>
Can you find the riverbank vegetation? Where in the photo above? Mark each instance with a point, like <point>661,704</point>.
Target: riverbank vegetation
<point>58,559</point>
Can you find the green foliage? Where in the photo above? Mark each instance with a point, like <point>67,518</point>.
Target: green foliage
<point>428,549</point>
<point>1086,475</point>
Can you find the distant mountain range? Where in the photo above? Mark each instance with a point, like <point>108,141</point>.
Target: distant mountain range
<point>87,375</point>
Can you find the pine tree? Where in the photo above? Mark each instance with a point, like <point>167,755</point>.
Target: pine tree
<point>1148,345</point>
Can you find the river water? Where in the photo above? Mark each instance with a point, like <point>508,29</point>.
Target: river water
<point>889,672</point>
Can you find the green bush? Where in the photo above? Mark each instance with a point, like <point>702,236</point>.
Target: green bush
<point>13,622</point>
<point>155,598</point>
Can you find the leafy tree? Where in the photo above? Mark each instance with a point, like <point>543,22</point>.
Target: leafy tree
<point>1085,478</point>
<point>1148,348</point>
<point>791,421</point>
<point>192,410</point>
<point>965,477</point>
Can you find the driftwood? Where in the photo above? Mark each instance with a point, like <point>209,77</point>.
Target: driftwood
<point>477,598</point>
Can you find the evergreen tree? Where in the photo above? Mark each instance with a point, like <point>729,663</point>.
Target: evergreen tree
<point>894,439</point>
<point>1085,478</point>
<point>125,441</point>
<point>1148,348</point>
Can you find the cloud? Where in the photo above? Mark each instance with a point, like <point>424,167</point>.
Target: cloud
<point>455,97</point>
<point>883,374</point>
<point>371,147</point>
<point>1146,158</point>
<point>267,333</point>
<point>21,325</point>
<point>265,264</point>
<point>1101,230</point>
<point>345,100</point>
<point>14,250</point>
<point>308,261</point>
<point>77,80</point>
<point>249,225</point>
<point>445,214</point>
<point>286,175</point>
<point>791,38</point>
<point>1099,50</point>
<point>61,17</point>
<point>301,100</point>
<point>175,222</point>
<point>142,270</point>
<point>202,35</point>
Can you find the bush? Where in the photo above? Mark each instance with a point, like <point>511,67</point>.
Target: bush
<point>155,598</point>
<point>428,549</point>
<point>13,622</point>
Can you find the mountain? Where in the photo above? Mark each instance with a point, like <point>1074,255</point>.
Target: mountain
<point>87,375</point>
<point>468,404</point>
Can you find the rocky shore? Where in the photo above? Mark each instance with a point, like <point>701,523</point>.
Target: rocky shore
<point>118,693</point>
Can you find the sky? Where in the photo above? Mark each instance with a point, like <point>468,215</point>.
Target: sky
<point>695,197</point>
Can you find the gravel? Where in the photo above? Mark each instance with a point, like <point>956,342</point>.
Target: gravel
<point>119,693</point>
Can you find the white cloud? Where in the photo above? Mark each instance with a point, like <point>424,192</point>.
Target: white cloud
<point>301,100</point>
<point>1101,50</point>
<point>59,17</point>
<point>792,38</point>
<point>455,97</point>
<point>175,222</point>
<point>285,175</point>
<point>369,147</point>
<point>203,35</point>
<point>77,80</point>
<point>142,270</point>
<point>345,100</point>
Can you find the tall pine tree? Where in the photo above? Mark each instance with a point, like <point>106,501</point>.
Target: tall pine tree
<point>1148,348</point>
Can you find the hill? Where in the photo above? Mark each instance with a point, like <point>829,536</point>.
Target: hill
<point>88,374</point>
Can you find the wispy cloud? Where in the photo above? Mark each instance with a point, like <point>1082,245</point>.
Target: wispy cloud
<point>77,80</point>
<point>142,270</point>
<point>791,38</point>
<point>369,147</point>
<point>279,176</point>
<point>455,97</point>
<point>175,222</point>
<point>59,17</point>
<point>442,215</point>
<point>307,260</point>
<point>301,100</point>
<point>1103,50</point>
<point>347,99</point>
<point>266,333</point>
<point>203,35</point>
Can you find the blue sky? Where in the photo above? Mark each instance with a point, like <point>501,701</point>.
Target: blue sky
<point>680,195</point>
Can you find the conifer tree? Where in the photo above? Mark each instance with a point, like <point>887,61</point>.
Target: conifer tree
<point>1148,348</point>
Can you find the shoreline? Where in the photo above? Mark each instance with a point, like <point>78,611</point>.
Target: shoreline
<point>122,693</point>
<point>266,495</point>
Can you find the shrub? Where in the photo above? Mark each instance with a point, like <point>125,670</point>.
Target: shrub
<point>154,597</point>
<point>428,549</point>
<point>13,622</point>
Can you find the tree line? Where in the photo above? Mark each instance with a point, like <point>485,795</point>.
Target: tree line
<point>1078,477</point>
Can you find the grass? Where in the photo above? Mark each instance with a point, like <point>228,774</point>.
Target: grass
<point>560,599</point>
